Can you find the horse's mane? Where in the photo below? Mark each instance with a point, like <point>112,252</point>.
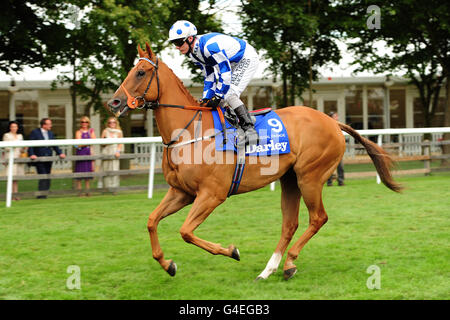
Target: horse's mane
<point>181,84</point>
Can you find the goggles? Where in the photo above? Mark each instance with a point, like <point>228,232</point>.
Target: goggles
<point>178,42</point>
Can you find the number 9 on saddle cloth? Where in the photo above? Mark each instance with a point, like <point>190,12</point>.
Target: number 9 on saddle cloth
<point>273,138</point>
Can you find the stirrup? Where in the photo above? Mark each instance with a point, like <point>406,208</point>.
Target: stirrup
<point>251,136</point>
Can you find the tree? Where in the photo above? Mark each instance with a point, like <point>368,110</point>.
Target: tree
<point>29,34</point>
<point>110,32</point>
<point>296,37</point>
<point>100,50</point>
<point>417,34</point>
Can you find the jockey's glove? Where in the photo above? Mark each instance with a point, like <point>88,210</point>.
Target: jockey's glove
<point>213,102</point>
<point>203,101</point>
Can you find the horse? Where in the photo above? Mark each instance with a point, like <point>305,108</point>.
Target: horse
<point>317,145</point>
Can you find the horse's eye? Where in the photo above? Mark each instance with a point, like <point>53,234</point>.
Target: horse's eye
<point>140,73</point>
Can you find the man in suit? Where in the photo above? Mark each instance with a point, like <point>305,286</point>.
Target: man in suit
<point>43,133</point>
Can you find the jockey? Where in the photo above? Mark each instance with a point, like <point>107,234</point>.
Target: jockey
<point>228,65</point>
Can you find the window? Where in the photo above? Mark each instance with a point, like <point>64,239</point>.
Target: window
<point>353,108</point>
<point>4,112</point>
<point>437,121</point>
<point>329,105</point>
<point>307,104</point>
<point>397,108</point>
<point>375,108</point>
<point>57,113</point>
<point>138,118</point>
<point>27,115</point>
<point>262,98</point>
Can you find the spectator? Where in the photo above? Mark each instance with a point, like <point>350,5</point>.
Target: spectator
<point>340,167</point>
<point>18,168</point>
<point>85,132</point>
<point>112,130</point>
<point>44,167</point>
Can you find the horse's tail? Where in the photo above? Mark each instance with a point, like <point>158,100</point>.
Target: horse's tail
<point>381,159</point>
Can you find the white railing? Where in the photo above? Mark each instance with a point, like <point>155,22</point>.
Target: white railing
<point>152,141</point>
<point>410,132</point>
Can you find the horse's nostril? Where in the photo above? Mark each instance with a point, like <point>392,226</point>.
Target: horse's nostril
<point>114,103</point>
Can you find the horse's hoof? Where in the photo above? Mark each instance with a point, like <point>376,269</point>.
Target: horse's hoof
<point>289,273</point>
<point>258,278</point>
<point>172,270</point>
<point>235,254</point>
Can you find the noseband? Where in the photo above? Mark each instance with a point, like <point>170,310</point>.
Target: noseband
<point>133,102</point>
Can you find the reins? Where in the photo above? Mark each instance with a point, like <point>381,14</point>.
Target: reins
<point>133,103</point>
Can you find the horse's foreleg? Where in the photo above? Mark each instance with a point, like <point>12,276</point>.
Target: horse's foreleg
<point>312,195</point>
<point>173,201</point>
<point>290,203</point>
<point>203,205</point>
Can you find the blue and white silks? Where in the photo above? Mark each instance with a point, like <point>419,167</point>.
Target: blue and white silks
<point>214,53</point>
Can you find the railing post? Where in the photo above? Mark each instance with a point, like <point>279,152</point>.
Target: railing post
<point>380,143</point>
<point>426,152</point>
<point>151,174</point>
<point>10,178</point>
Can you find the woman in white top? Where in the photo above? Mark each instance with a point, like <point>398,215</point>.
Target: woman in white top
<point>18,168</point>
<point>112,131</point>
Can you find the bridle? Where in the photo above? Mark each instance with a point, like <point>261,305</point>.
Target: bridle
<point>133,102</point>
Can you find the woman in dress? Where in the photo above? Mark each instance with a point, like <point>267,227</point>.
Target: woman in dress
<point>18,168</point>
<point>112,130</point>
<point>85,132</point>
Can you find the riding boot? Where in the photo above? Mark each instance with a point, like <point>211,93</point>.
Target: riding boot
<point>246,123</point>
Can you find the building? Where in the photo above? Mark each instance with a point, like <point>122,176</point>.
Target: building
<point>362,102</point>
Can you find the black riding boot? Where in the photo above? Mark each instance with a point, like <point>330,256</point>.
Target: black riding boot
<point>246,123</point>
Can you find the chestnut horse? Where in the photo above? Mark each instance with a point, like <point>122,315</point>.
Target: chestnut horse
<point>316,142</point>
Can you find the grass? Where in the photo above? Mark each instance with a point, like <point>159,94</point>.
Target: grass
<point>405,235</point>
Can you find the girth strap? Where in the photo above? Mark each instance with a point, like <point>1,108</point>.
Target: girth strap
<point>240,164</point>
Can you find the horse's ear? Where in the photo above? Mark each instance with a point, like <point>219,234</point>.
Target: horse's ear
<point>141,52</point>
<point>149,50</point>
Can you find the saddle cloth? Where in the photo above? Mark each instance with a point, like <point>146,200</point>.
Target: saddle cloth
<point>273,138</point>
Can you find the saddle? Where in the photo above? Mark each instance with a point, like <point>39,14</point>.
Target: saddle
<point>273,138</point>
<point>232,118</point>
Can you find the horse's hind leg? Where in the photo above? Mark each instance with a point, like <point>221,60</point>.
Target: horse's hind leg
<point>290,202</point>
<point>173,201</point>
<point>203,205</point>
<point>311,189</point>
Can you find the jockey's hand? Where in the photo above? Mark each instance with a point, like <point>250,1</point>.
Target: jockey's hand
<point>203,102</point>
<point>213,102</point>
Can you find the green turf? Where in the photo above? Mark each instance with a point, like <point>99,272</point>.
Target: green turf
<point>67,184</point>
<point>405,235</point>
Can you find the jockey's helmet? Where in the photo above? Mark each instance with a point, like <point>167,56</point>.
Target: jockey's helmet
<point>182,29</point>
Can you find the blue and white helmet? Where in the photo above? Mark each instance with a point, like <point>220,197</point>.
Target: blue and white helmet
<point>182,29</point>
